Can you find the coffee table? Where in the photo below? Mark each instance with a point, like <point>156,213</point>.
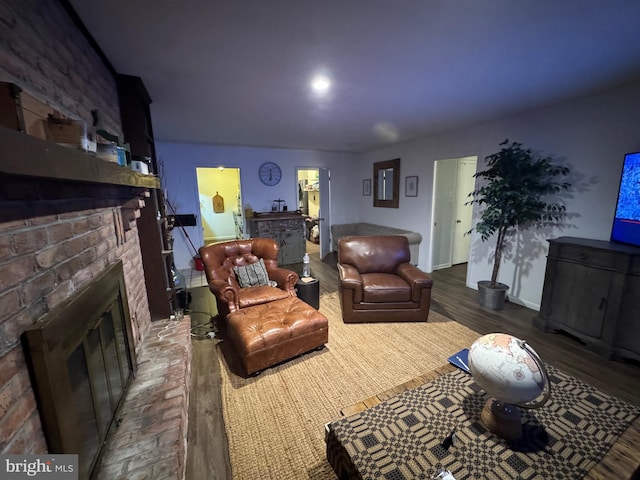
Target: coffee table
<point>620,462</point>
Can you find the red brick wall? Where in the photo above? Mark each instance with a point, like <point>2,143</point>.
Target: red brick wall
<point>54,236</point>
<point>52,243</point>
<point>42,51</point>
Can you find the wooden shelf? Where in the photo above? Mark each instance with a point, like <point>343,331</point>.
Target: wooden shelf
<point>22,154</point>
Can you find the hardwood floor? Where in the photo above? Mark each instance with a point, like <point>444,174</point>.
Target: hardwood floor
<point>207,452</point>
<point>207,443</point>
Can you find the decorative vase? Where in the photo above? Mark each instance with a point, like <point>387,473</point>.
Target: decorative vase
<point>492,297</point>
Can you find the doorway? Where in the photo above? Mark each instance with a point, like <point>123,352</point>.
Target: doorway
<point>313,185</point>
<point>453,180</point>
<point>220,200</point>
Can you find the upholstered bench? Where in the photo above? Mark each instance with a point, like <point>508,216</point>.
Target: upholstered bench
<point>267,334</point>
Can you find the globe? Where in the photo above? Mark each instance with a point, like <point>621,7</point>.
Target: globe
<point>513,376</point>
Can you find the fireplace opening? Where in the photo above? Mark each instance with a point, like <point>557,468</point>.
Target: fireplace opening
<point>82,360</point>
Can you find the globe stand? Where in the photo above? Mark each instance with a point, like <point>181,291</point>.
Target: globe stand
<point>502,419</point>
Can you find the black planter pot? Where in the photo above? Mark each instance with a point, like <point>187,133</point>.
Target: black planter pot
<point>492,298</point>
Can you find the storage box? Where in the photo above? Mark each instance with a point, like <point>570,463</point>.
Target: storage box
<point>71,133</point>
<point>122,156</point>
<point>139,166</point>
<point>35,114</point>
<point>66,131</point>
<point>23,112</point>
<point>108,152</point>
<point>112,153</point>
<point>111,150</point>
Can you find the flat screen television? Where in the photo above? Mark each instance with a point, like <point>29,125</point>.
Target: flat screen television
<point>626,224</point>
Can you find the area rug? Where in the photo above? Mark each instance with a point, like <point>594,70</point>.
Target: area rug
<point>275,422</point>
<point>435,427</point>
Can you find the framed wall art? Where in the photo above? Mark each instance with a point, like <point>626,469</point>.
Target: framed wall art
<point>411,186</point>
<point>366,187</point>
<point>386,183</point>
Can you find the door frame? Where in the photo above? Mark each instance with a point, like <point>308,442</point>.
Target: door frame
<point>462,243</point>
<point>437,201</point>
<point>324,213</point>
<point>230,204</point>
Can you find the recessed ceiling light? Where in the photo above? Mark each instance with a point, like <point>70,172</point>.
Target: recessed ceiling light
<point>320,83</point>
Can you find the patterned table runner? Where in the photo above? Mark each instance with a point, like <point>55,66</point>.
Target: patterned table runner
<point>435,426</point>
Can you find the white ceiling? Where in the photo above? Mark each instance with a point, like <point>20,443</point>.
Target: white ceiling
<point>237,71</point>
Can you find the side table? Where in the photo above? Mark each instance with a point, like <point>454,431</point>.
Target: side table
<point>308,289</point>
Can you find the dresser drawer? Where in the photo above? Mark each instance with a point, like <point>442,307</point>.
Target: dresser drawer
<point>587,256</point>
<point>279,226</point>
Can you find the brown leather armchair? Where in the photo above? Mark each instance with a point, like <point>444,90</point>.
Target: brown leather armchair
<point>267,324</point>
<point>378,283</point>
<point>219,260</point>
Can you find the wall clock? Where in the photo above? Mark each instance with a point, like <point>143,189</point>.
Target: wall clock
<point>270,173</point>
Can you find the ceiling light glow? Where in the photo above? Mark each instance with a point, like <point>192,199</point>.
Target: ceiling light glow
<point>320,83</point>
<point>386,131</point>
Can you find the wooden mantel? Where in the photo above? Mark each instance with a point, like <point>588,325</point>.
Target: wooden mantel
<point>26,155</point>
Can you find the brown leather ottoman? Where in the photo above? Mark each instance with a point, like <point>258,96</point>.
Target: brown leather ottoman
<point>266,334</point>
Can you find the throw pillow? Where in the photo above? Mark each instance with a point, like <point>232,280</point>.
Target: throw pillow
<point>252,275</point>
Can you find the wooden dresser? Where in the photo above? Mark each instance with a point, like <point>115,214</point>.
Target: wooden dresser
<point>592,290</point>
<point>286,228</point>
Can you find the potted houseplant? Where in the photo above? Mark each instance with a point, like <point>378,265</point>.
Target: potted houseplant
<point>515,191</point>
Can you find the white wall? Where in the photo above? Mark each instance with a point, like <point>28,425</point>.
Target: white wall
<point>591,134</point>
<point>179,162</point>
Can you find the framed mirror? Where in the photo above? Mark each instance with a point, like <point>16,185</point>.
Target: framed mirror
<point>386,183</point>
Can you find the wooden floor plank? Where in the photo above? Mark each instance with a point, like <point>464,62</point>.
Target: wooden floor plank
<point>621,459</point>
<point>207,448</point>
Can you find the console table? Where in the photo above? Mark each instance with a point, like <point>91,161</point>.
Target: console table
<point>286,228</point>
<point>591,291</point>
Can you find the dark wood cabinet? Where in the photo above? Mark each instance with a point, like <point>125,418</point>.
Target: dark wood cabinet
<point>156,242</point>
<point>591,291</point>
<point>285,228</point>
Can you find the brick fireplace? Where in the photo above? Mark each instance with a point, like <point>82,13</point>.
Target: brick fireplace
<point>58,235</point>
<point>55,235</point>
<point>82,364</point>
<point>55,238</point>
<point>61,229</point>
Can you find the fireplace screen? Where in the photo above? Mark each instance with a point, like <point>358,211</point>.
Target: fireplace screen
<point>82,360</point>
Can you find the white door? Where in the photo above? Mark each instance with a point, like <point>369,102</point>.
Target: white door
<point>444,188</point>
<point>463,213</point>
<point>324,215</point>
